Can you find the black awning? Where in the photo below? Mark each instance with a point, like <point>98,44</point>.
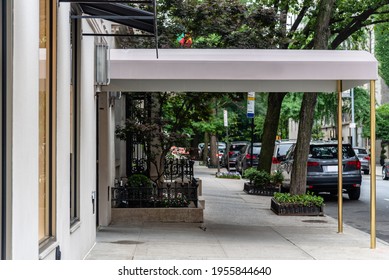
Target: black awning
<point>120,13</point>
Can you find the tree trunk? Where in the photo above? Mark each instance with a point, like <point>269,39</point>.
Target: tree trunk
<point>205,148</point>
<point>298,182</point>
<point>214,151</point>
<point>270,126</point>
<point>274,103</point>
<point>299,172</point>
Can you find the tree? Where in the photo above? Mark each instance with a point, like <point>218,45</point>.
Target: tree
<point>299,172</point>
<point>382,122</point>
<point>381,50</point>
<point>290,110</point>
<point>345,22</point>
<point>169,123</point>
<point>222,24</point>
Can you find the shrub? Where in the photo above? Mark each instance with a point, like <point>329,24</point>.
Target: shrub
<point>139,181</point>
<point>276,178</point>
<point>262,178</point>
<point>308,199</point>
<point>178,200</point>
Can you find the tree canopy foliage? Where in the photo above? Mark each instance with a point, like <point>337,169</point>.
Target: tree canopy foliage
<point>382,122</point>
<point>382,50</point>
<point>285,24</point>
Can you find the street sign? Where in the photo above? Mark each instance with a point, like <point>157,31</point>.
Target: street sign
<point>225,118</point>
<point>250,104</point>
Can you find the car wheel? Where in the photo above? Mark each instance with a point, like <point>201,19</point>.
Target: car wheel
<point>238,168</point>
<point>366,172</point>
<point>354,194</point>
<point>384,175</point>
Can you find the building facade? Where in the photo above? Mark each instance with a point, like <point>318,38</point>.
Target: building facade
<point>52,115</point>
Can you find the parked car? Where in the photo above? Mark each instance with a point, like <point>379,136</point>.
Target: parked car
<point>385,171</point>
<point>233,151</point>
<point>221,147</point>
<point>280,150</point>
<point>322,169</point>
<point>364,158</point>
<point>243,160</point>
<point>221,151</point>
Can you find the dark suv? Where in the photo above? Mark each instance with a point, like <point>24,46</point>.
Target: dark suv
<point>322,169</point>
<point>244,157</point>
<point>234,148</point>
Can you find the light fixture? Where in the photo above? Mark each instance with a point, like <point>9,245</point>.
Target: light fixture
<point>102,64</point>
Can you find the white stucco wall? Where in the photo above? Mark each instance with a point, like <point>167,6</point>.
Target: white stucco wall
<point>83,238</point>
<point>25,130</point>
<point>63,130</point>
<point>25,139</point>
<point>106,158</point>
<point>120,146</point>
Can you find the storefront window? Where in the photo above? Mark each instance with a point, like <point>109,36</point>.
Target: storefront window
<point>2,187</point>
<point>46,117</point>
<point>74,127</point>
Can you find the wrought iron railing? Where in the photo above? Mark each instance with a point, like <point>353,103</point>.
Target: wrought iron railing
<point>175,194</point>
<point>178,169</point>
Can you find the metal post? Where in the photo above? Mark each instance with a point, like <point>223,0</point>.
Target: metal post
<point>227,150</point>
<point>252,141</point>
<point>225,116</point>
<point>373,168</point>
<point>353,127</point>
<point>340,159</point>
<point>155,29</point>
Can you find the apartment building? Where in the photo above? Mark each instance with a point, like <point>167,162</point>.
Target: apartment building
<point>57,126</point>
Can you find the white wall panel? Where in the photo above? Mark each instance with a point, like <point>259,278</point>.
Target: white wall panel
<point>25,130</point>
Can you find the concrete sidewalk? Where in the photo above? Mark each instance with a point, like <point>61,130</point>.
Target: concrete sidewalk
<point>236,226</point>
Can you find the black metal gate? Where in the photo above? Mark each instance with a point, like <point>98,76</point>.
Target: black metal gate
<point>138,107</point>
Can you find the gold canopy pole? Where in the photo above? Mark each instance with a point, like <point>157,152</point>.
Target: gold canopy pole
<point>373,168</point>
<point>340,159</point>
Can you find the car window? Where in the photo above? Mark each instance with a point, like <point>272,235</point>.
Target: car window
<point>290,152</point>
<point>283,149</point>
<point>330,152</point>
<point>236,147</point>
<point>256,150</point>
<point>360,151</point>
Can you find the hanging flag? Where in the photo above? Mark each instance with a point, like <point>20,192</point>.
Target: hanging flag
<point>185,41</point>
<point>180,37</point>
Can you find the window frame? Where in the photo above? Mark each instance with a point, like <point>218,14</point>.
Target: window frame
<point>50,101</point>
<point>75,123</point>
<point>6,10</point>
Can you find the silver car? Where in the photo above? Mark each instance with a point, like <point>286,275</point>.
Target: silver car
<point>364,158</point>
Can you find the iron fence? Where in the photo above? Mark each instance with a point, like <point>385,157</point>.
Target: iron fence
<point>174,194</point>
<point>178,169</point>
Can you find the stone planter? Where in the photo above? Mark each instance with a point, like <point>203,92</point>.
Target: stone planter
<point>125,216</point>
<point>295,210</point>
<point>265,191</point>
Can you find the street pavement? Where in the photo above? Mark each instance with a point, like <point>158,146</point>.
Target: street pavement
<point>236,226</point>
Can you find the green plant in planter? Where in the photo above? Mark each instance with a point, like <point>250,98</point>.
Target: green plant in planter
<point>227,175</point>
<point>178,200</point>
<point>276,178</point>
<point>139,181</point>
<point>259,178</point>
<point>250,174</point>
<point>308,199</point>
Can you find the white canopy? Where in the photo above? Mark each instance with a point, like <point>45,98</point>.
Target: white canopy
<point>239,70</point>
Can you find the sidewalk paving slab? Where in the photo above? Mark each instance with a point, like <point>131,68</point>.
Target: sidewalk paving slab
<point>236,226</point>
